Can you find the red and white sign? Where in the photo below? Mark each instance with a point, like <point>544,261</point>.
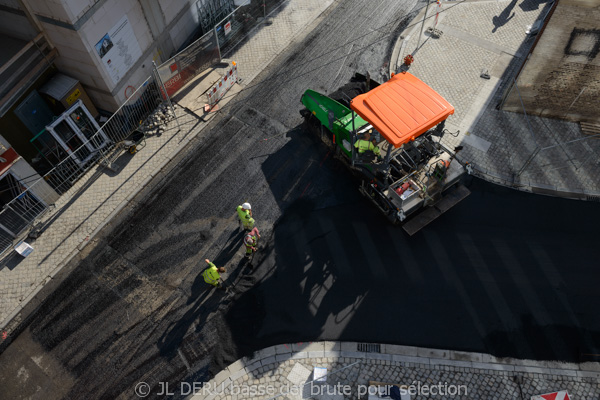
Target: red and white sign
<point>227,27</point>
<point>9,157</point>
<point>562,395</point>
<point>215,93</point>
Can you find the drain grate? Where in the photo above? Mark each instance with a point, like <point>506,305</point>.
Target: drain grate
<point>593,198</point>
<point>369,347</point>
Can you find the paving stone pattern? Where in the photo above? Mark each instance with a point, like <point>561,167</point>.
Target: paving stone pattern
<point>265,44</point>
<point>525,152</point>
<point>273,377</point>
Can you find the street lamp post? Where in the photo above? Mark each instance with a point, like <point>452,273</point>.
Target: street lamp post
<point>422,25</point>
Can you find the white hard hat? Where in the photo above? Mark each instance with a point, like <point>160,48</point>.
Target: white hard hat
<point>249,240</point>
<point>246,206</point>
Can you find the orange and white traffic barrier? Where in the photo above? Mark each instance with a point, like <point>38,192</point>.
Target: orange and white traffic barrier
<point>217,92</point>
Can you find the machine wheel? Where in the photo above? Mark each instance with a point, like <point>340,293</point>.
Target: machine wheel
<point>132,149</point>
<point>315,126</point>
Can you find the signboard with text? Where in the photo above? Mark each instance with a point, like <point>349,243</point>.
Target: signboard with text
<point>119,49</point>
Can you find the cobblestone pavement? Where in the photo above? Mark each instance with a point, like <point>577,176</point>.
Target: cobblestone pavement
<point>287,372</point>
<point>530,153</point>
<point>265,44</point>
<point>98,196</point>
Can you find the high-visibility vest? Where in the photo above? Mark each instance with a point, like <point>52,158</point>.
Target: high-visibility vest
<point>364,145</point>
<point>245,216</point>
<point>253,238</point>
<point>211,275</point>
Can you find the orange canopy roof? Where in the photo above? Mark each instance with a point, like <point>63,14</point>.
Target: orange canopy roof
<point>402,108</point>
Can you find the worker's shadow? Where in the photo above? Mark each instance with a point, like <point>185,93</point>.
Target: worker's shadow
<point>236,280</point>
<point>205,299</point>
<point>505,16</point>
<point>232,245</point>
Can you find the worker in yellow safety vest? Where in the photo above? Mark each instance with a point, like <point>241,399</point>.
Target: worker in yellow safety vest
<point>366,144</point>
<point>211,274</point>
<point>245,215</point>
<point>251,242</point>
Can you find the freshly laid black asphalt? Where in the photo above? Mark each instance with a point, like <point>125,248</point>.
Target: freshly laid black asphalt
<point>504,272</point>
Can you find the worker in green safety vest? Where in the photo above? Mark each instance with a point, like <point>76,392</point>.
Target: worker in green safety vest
<point>211,274</point>
<point>245,215</point>
<point>366,144</point>
<point>251,242</point>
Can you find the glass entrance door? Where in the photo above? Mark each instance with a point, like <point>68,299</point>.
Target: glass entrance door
<point>78,133</point>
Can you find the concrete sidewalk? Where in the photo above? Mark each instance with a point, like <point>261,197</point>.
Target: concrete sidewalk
<point>100,195</point>
<point>286,372</point>
<point>501,146</point>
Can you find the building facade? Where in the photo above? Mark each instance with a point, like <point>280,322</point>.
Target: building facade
<point>66,66</point>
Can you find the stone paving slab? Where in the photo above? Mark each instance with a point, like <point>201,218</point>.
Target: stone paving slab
<point>434,369</point>
<point>534,154</point>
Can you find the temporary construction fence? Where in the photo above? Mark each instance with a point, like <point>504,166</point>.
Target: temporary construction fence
<point>185,65</point>
<point>21,213</point>
<point>232,29</point>
<point>208,50</point>
<point>211,11</point>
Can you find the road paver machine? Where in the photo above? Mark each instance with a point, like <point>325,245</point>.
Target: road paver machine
<point>389,136</point>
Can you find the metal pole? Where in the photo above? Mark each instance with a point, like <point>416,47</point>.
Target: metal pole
<point>217,40</point>
<point>422,25</point>
<point>387,159</point>
<point>162,85</point>
<point>352,139</point>
<point>507,93</point>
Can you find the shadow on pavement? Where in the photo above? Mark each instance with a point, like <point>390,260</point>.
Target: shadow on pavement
<point>506,15</point>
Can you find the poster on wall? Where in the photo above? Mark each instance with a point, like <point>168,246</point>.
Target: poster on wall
<point>118,49</point>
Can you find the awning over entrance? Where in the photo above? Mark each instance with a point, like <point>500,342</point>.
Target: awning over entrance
<point>402,108</point>
<point>7,159</point>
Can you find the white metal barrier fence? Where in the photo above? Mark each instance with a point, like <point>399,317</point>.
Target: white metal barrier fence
<point>21,213</point>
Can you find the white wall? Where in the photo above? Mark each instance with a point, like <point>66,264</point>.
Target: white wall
<point>171,8</point>
<point>79,58</point>
<point>25,172</point>
<point>22,170</point>
<point>75,57</point>
<point>76,8</point>
<point>183,29</point>
<point>103,20</point>
<point>50,8</point>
